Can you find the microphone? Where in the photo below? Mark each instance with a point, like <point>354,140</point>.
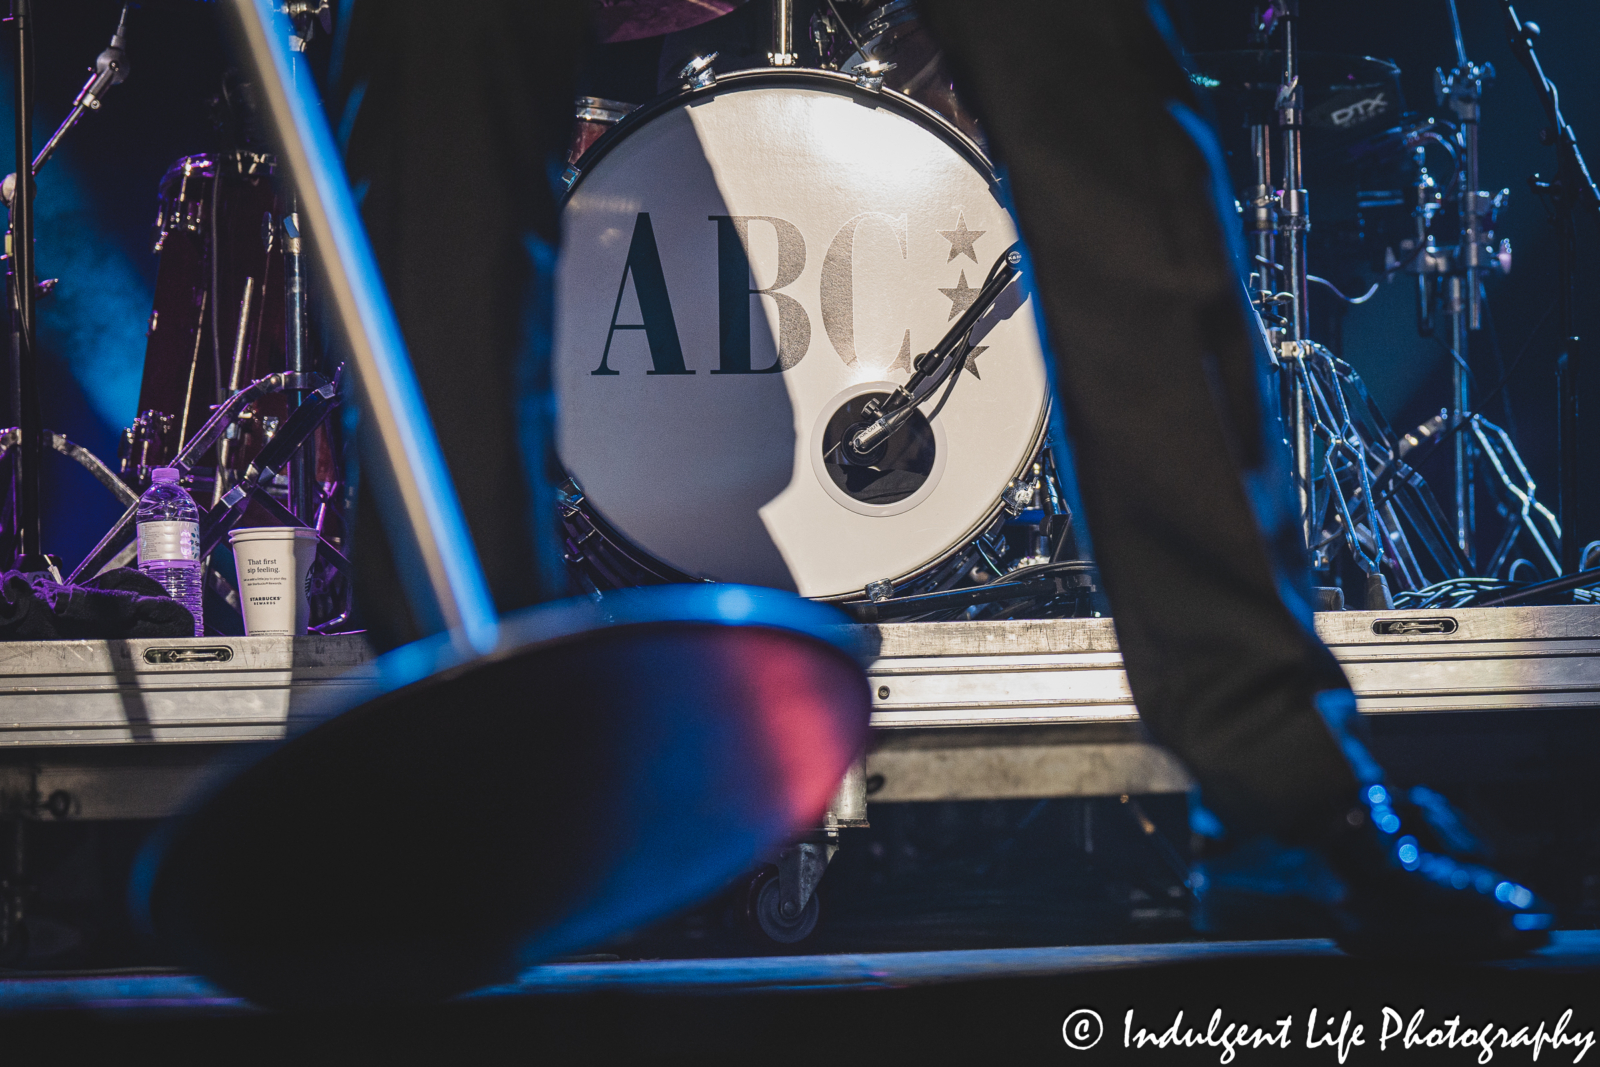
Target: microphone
<point>111,68</point>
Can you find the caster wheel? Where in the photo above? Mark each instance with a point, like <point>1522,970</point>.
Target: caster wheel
<point>767,908</point>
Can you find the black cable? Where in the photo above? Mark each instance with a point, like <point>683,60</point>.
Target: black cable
<point>1352,300</point>
<point>845,26</point>
<point>1458,357</point>
<point>1499,368</point>
<point>1526,346</point>
<point>1024,583</point>
<point>966,354</point>
<point>1381,485</point>
<point>1554,585</point>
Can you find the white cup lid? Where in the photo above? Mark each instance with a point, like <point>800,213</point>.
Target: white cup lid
<point>271,533</point>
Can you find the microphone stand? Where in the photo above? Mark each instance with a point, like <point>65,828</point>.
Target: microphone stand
<point>111,68</point>
<point>1572,186</point>
<point>26,552</point>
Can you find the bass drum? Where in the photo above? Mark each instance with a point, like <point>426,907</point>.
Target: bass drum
<point>894,34</point>
<point>745,264</point>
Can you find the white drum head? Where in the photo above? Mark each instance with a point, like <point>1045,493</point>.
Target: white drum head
<point>865,233</point>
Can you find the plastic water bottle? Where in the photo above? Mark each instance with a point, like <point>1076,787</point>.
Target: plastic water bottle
<point>169,541</point>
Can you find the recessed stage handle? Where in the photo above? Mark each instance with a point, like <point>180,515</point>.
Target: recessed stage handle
<point>176,654</point>
<point>1444,624</point>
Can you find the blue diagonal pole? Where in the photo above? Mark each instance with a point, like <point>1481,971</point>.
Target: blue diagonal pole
<point>415,491</point>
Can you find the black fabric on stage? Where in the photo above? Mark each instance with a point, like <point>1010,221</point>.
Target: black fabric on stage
<point>120,603</point>
<point>1184,481</point>
<point>456,115</point>
<point>1086,107</point>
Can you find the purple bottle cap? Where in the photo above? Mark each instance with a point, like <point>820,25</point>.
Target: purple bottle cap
<point>164,475</point>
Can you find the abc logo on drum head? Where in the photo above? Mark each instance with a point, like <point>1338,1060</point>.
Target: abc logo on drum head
<point>1082,1029</point>
<point>721,332</point>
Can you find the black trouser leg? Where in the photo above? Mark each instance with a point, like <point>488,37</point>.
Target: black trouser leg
<point>1186,490</point>
<point>455,114</point>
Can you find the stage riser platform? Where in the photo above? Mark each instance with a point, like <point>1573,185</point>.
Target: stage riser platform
<point>1041,708</point>
<point>963,711</point>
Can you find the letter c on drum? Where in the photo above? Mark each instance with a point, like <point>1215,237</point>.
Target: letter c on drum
<point>1082,1029</point>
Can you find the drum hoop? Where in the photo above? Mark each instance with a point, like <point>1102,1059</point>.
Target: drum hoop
<point>802,77</point>
<point>614,539</point>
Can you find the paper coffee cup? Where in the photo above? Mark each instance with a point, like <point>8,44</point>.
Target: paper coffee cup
<point>274,564</point>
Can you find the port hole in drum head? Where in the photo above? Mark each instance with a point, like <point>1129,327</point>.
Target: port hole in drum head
<point>889,473</point>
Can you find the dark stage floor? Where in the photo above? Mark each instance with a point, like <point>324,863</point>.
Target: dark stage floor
<point>977,1006</point>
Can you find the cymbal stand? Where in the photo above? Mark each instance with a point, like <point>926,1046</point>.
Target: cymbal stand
<point>296,333</point>
<point>1261,206</point>
<point>1462,88</point>
<point>1335,460</point>
<point>1261,210</point>
<point>1572,186</point>
<point>1293,221</point>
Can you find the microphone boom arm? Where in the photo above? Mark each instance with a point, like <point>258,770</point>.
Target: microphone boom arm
<point>110,68</point>
<point>934,367</point>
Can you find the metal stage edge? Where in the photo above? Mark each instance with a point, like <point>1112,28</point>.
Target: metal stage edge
<point>963,710</point>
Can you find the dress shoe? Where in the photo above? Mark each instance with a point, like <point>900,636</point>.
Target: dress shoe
<point>1383,876</point>
<point>1411,892</point>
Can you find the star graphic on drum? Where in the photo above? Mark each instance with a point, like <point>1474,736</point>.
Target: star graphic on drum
<point>962,239</point>
<point>903,360</point>
<point>961,297</point>
<point>971,362</point>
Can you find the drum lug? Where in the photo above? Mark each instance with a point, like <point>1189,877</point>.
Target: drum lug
<point>1017,496</point>
<point>697,73</point>
<point>882,589</point>
<point>869,73</point>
